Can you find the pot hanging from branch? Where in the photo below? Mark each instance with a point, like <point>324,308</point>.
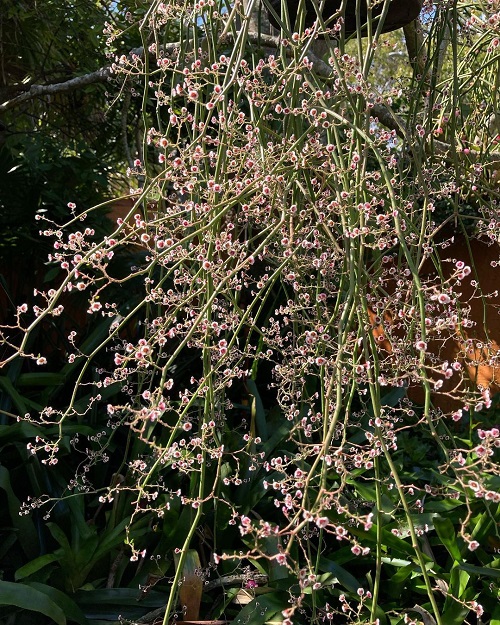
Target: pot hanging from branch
<point>354,12</point>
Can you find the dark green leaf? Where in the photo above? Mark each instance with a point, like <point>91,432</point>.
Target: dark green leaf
<point>111,539</point>
<point>448,536</point>
<point>71,610</point>
<point>17,432</point>
<point>40,379</point>
<point>28,598</point>
<point>258,410</point>
<point>36,564</point>
<point>495,617</point>
<point>480,570</point>
<point>23,523</point>
<point>458,582</point>
<point>399,546</point>
<point>261,609</point>
<point>457,611</point>
<point>111,603</point>
<point>348,581</point>
<point>18,401</point>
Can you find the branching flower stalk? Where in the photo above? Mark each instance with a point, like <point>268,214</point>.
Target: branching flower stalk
<point>288,323</point>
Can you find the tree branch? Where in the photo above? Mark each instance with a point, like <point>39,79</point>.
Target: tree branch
<point>35,91</point>
<point>269,44</point>
<point>414,40</point>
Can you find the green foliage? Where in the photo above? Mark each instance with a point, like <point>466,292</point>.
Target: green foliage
<point>29,598</point>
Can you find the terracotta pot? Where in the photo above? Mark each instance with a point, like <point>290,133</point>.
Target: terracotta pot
<point>400,13</point>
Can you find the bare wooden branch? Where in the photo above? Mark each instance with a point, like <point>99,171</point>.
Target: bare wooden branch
<point>270,44</point>
<point>389,119</point>
<point>124,122</point>
<point>35,91</point>
<point>414,39</point>
<point>259,18</point>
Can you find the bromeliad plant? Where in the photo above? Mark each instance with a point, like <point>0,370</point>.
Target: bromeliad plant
<point>265,428</point>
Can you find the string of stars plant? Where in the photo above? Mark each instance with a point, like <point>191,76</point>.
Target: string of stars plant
<point>271,208</point>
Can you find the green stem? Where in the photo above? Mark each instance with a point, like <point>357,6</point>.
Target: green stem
<point>411,527</point>
<point>378,566</point>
